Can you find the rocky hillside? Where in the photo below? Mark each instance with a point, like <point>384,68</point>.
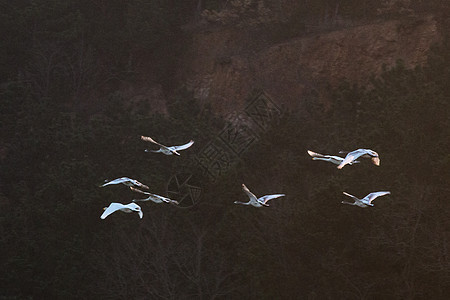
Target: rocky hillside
<point>224,64</point>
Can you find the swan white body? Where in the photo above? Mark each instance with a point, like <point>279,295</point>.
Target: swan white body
<point>257,202</point>
<point>330,158</point>
<point>165,149</point>
<point>153,197</point>
<point>352,156</point>
<point>367,200</point>
<point>128,208</point>
<point>126,181</point>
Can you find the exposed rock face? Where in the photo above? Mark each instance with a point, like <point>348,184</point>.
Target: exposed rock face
<point>222,67</point>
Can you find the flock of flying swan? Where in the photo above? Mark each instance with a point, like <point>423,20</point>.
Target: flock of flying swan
<point>350,159</point>
<point>136,186</point>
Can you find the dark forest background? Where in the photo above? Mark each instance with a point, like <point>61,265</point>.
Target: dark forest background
<point>64,129</point>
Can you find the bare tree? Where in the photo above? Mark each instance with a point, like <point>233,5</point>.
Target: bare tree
<point>40,72</point>
<point>158,259</point>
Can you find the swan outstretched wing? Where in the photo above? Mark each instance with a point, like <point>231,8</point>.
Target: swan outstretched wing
<point>182,147</point>
<point>351,156</point>
<point>265,199</point>
<point>372,196</point>
<point>130,207</point>
<point>249,194</point>
<point>135,207</point>
<point>116,181</point>
<point>348,159</point>
<point>315,154</point>
<point>351,196</point>
<point>113,207</point>
<point>139,191</point>
<point>247,191</point>
<point>149,139</point>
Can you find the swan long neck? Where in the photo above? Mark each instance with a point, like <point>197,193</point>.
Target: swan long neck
<point>243,203</point>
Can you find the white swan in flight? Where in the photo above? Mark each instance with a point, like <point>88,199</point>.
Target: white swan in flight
<point>257,202</point>
<point>153,197</point>
<point>367,200</point>
<point>331,158</point>
<point>126,181</point>
<point>128,208</point>
<point>164,149</point>
<point>351,156</point>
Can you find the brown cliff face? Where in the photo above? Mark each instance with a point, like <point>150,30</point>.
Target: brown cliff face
<point>222,66</point>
